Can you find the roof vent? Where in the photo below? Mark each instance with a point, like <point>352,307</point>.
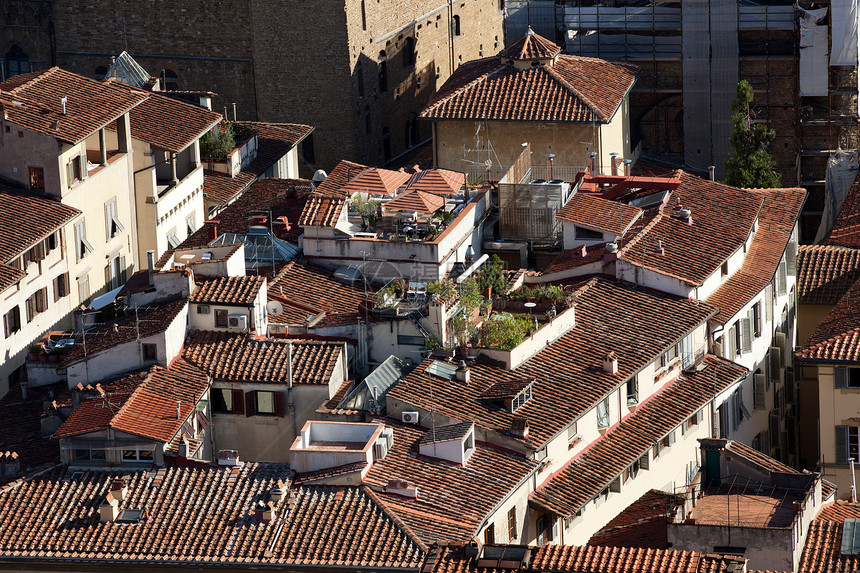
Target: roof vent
<point>686,215</point>
<point>660,249</point>
<point>63,101</point>
<point>463,373</point>
<point>610,363</point>
<point>520,428</point>
<point>319,177</point>
<point>612,247</point>
<point>403,488</point>
<point>109,509</point>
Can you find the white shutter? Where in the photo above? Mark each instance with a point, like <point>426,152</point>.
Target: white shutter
<point>768,302</point>
<point>775,363</point>
<point>791,257</point>
<point>733,347</point>
<point>758,392</point>
<point>781,279</point>
<point>746,334</point>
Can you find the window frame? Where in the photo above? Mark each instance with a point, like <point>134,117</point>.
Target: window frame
<point>603,421</point>
<point>257,403</point>
<point>512,524</point>
<point>222,319</point>
<point>149,352</point>
<point>585,234</point>
<point>13,316</point>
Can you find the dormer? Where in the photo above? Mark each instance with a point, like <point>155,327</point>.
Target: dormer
<point>509,394</point>
<point>531,50</point>
<point>454,443</point>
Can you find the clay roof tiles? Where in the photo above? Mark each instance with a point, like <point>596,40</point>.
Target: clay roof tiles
<point>610,455</point>
<point>28,218</point>
<point>170,124</point>
<point>241,290</point>
<point>642,524</point>
<point>416,200</point>
<point>569,376</point>
<point>237,357</point>
<point>825,273</point>
<point>274,140</point>
<point>837,337</point>
<point>202,516</point>
<point>598,213</point>
<point>33,102</point>
<point>531,46</point>
<point>376,180</point>
<point>439,181</point>
<point>325,204</point>
<point>846,227</point>
<point>823,550</point>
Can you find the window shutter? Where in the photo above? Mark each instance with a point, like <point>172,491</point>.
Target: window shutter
<point>733,348</point>
<point>758,392</point>
<point>238,402</point>
<point>67,284</point>
<point>746,334</point>
<point>279,404</point>
<point>643,462</point>
<point>781,279</point>
<point>82,159</point>
<point>6,326</point>
<point>768,302</point>
<point>775,363</point>
<point>842,445</point>
<point>44,299</point>
<point>57,288</point>
<point>840,377</point>
<point>250,406</point>
<point>791,257</point>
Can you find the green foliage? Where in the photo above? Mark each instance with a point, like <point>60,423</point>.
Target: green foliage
<point>368,210</point>
<point>492,276</point>
<point>751,165</point>
<point>432,342</point>
<point>505,331</point>
<point>444,217</point>
<point>445,289</point>
<point>470,294</point>
<point>218,143</point>
<point>549,293</point>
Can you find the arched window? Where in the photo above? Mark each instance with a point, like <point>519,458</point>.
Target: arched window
<point>363,16</point>
<point>408,53</point>
<point>17,62</point>
<point>383,73</point>
<point>368,127</point>
<point>359,78</point>
<point>100,73</point>
<point>386,143</point>
<point>169,80</point>
<point>456,25</point>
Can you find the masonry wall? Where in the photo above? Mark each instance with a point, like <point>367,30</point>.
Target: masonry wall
<point>29,25</point>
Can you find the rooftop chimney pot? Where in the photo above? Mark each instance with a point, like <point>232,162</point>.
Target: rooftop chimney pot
<point>463,372</point>
<point>614,160</point>
<point>63,101</point>
<point>610,363</point>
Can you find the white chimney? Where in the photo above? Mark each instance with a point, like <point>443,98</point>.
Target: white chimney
<point>712,172</point>
<point>610,363</point>
<point>686,215</point>
<point>63,101</point>
<point>463,373</point>
<point>150,264</point>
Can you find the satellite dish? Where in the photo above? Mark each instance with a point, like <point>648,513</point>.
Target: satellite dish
<point>274,308</point>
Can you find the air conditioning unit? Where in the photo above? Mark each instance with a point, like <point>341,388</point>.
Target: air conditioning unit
<point>380,450</point>
<point>409,417</point>
<point>228,458</point>
<point>238,321</point>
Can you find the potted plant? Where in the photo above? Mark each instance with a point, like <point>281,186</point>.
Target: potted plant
<point>34,351</point>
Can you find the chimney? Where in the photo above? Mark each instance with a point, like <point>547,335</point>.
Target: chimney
<point>265,511</point>
<point>228,458</point>
<point>63,101</point>
<point>591,161</point>
<point>520,428</point>
<point>109,509</point>
<point>686,215</point>
<point>549,158</point>
<point>24,387</point>
<point>611,253</point>
<point>10,465</point>
<point>150,264</point>
<point>402,488</point>
<point>463,373</point>
<point>660,249</point>
<point>610,363</point>
<point>627,163</point>
<point>712,172</point>
<point>582,251</point>
<point>119,489</point>
<point>278,493</point>
<point>212,226</point>
<point>614,156</point>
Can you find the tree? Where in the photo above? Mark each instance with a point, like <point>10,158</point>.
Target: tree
<point>367,209</point>
<point>751,165</point>
<point>218,143</point>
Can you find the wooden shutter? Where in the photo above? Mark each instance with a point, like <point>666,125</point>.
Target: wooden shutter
<point>279,404</point>
<point>30,304</point>
<point>746,334</point>
<point>768,302</point>
<point>733,346</point>
<point>840,377</point>
<point>775,363</point>
<point>758,392</point>
<point>57,288</point>
<point>842,445</point>
<point>791,257</point>
<point>238,401</point>
<point>6,325</point>
<point>250,404</point>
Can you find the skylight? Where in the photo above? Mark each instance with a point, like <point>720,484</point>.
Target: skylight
<point>441,369</point>
<point>851,537</point>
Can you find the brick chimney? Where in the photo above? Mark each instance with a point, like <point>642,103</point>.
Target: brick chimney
<point>610,363</point>
<point>520,428</point>
<point>265,511</point>
<point>212,228</point>
<point>119,489</point>
<point>109,509</point>
<point>402,488</point>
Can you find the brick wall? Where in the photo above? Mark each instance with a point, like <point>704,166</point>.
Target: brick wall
<point>27,24</point>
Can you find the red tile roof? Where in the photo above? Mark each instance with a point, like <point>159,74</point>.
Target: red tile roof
<point>376,180</point>
<point>612,453</point>
<point>227,290</point>
<point>274,140</point>
<point>572,258</point>
<point>439,181</point>
<point>34,102</point>
<point>823,550</point>
<point>237,357</point>
<point>170,124</point>
<point>837,337</point>
<point>307,290</point>
<point>846,227</point>
<point>28,218</point>
<point>776,223</point>
<point>454,558</point>
<point>146,322</point>
<point>324,206</point>
<point>641,524</point>
<point>531,46</point>
<point>203,516</point>
<point>146,406</point>
<point>825,273</point>
<point>570,89</point>
<point>598,213</point>
<point>452,500</point>
<point>415,200</point>
<point>569,375</point>
<point>21,428</point>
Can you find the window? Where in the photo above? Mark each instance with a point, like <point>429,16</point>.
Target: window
<point>737,338</point>
<point>781,279</point>
<point>408,53</point>
<point>221,317</point>
<point>632,392</point>
<point>573,434</point>
<point>61,286</point>
<point>308,153</point>
<point>386,143</point>
<point>469,444</point>
<point>759,390</point>
<point>265,403</point>
<point>411,340</point>
<point>83,287</point>
<point>82,246</point>
<point>847,444</point>
<point>190,225</point>
<point>36,303</point>
<point>359,73</point>
<point>172,240</point>
<point>74,169</point>
<point>150,352</point>
<point>368,126</point>
<point>512,524</point>
<point>520,399</point>
<point>37,179</point>
<point>584,234</point>
<point>86,455</point>
<point>222,400</point>
<point>383,73</point>
<point>115,273</point>
<point>847,377</point>
<point>756,319</point>
<point>490,534</point>
<point>545,525</point>
<point>17,62</point>
<point>668,440</point>
<point>456,25</point>
<point>12,321</point>
<point>136,455</point>
<point>113,227</point>
<point>203,309</point>
<point>669,356</point>
<point>169,80</point>
<point>724,269</point>
<point>603,413</point>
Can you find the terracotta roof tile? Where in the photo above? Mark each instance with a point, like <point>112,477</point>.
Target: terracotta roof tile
<point>642,524</point>
<point>21,428</point>
<point>823,550</point>
<point>274,140</point>
<point>324,206</point>
<point>203,516</point>
<point>439,181</point>
<point>415,200</point>
<point>376,180</point>
<point>568,374</point>
<point>240,358</point>
<point>531,46</point>
<point>227,290</point>
<point>572,258</point>
<point>846,227</point>
<point>34,102</point>
<point>170,124</point>
<point>598,213</point>
<point>837,337</point>
<point>9,276</point>
<point>28,218</point>
<point>825,273</point>
<point>610,455</point>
